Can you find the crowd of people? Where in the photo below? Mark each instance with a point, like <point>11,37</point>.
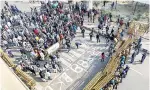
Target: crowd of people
<point>123,69</point>
<point>137,49</point>
<point>36,31</point>
<point>32,33</point>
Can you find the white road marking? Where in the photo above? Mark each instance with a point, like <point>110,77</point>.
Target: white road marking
<point>136,71</point>
<point>38,86</point>
<point>65,62</point>
<point>47,88</point>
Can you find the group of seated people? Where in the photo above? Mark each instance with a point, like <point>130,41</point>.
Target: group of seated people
<point>42,69</point>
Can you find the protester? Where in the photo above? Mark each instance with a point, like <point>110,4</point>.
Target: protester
<point>98,37</point>
<point>83,31</point>
<point>102,57</point>
<point>107,29</point>
<point>39,30</point>
<point>91,35</point>
<point>132,57</point>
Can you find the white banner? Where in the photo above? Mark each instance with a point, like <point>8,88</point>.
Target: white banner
<point>53,48</point>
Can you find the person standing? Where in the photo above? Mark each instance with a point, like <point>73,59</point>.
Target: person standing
<point>139,40</point>
<point>121,22</point>
<point>138,49</point>
<point>121,35</point>
<point>92,17</point>
<point>47,75</point>
<point>111,47</point>
<point>68,44</point>
<point>102,57</point>
<point>98,37</point>
<point>123,58</point>
<point>112,31</point>
<point>104,2</point>
<point>118,19</point>
<point>89,14</point>
<point>82,20</point>
<point>105,19</point>
<point>91,34</point>
<point>110,16</point>
<point>94,12</point>
<point>107,28</point>
<point>111,52</point>
<point>6,3</point>
<point>107,38</point>
<point>132,57</point>
<point>122,63</point>
<point>130,47</point>
<point>83,31</point>
<point>112,5</point>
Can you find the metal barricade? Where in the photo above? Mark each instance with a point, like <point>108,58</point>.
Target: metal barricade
<point>108,73</point>
<point>8,61</point>
<point>24,77</point>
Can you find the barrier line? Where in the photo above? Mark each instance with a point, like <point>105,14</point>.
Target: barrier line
<point>22,75</point>
<point>109,67</point>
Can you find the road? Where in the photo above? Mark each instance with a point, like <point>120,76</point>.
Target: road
<point>138,75</point>
<point>80,65</point>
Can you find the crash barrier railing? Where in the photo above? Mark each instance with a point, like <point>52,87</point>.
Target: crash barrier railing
<point>25,77</point>
<point>9,62</point>
<point>22,75</point>
<point>101,75</point>
<point>102,78</point>
<point>112,67</point>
